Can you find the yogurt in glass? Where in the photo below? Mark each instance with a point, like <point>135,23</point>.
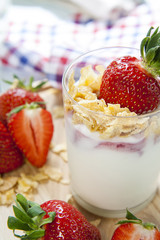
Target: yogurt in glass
<point>113,153</point>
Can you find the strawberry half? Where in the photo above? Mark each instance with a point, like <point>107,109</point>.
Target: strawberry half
<point>10,156</point>
<point>59,219</point>
<point>134,83</point>
<point>134,229</point>
<point>32,129</point>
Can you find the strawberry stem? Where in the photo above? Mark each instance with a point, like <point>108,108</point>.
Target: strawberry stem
<point>32,105</point>
<point>130,218</point>
<point>150,52</point>
<point>29,217</point>
<point>21,84</point>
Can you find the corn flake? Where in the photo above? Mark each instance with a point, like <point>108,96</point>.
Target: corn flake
<point>58,112</point>
<point>64,156</point>
<point>26,184</point>
<point>8,183</point>
<point>54,174</point>
<point>58,148</point>
<point>96,222</point>
<point>7,197</point>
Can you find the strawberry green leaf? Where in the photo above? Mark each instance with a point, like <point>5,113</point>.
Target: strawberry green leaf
<point>155,32</point>
<point>36,88</point>
<point>22,83</point>
<point>149,225</point>
<point>22,201</point>
<point>153,42</point>
<point>35,210</point>
<point>149,31</point>
<point>151,54</point>
<point>143,45</point>
<point>128,221</point>
<point>32,105</point>
<point>15,223</point>
<point>29,217</point>
<point>21,215</point>
<point>49,219</point>
<point>36,234</point>
<point>31,235</point>
<point>130,216</point>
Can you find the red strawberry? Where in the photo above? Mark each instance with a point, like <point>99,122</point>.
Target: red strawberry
<point>134,229</point>
<point>32,128</point>
<point>133,83</point>
<point>16,97</point>
<point>62,221</point>
<point>10,156</point>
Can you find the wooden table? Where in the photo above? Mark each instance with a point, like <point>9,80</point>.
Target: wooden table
<point>54,190</point>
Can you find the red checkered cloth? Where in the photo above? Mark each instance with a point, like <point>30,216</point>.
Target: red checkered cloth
<point>48,47</point>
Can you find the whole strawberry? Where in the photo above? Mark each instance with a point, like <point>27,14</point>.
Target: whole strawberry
<point>132,82</point>
<point>32,129</point>
<point>10,156</point>
<point>59,219</point>
<point>134,229</point>
<point>18,96</point>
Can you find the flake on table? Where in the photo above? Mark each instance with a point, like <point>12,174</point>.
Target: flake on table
<point>69,198</point>
<point>8,183</point>
<point>39,177</point>
<point>26,184</point>
<point>64,156</point>
<point>53,173</point>
<point>58,148</point>
<point>96,222</point>
<point>65,181</point>
<point>7,197</point>
<point>58,112</point>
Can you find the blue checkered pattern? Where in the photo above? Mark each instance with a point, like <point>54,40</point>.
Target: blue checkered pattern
<point>49,47</point>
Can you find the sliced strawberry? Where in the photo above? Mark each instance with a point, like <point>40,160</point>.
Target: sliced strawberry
<point>32,130</point>
<point>10,156</point>
<point>134,229</point>
<point>130,231</point>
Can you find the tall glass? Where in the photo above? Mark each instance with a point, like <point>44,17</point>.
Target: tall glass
<point>114,160</point>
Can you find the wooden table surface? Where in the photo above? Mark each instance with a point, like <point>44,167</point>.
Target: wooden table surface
<point>58,190</point>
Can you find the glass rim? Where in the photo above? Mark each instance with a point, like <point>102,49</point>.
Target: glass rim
<point>76,60</point>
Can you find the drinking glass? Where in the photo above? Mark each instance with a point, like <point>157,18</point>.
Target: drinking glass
<point>118,169</point>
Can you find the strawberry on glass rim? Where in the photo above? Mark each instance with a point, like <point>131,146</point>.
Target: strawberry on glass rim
<point>132,82</point>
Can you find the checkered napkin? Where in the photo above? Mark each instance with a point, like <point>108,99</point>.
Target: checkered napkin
<point>47,47</point>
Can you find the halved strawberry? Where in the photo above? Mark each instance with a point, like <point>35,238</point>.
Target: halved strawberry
<point>134,229</point>
<point>32,129</point>
<point>133,82</point>
<point>10,156</point>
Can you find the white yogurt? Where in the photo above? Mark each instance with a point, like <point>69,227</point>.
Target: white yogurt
<point>109,178</point>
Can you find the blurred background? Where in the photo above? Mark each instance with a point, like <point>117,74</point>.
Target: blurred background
<point>40,38</point>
